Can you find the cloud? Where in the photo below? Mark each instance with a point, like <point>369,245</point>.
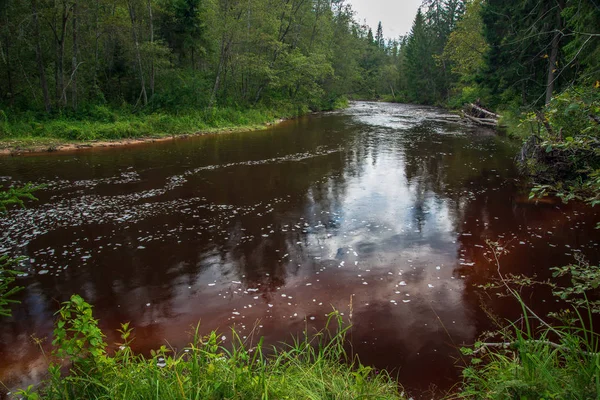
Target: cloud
<point>396,16</point>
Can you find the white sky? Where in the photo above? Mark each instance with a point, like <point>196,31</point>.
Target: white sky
<point>396,16</point>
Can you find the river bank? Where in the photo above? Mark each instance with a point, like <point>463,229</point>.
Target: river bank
<point>112,129</point>
<point>34,146</point>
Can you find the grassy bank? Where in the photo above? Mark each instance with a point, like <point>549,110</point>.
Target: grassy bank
<point>218,366</point>
<point>554,356</point>
<point>42,132</point>
<point>561,362</point>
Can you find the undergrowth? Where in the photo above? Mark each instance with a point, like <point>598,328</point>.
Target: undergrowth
<point>561,362</point>
<point>562,154</point>
<point>11,197</point>
<point>532,358</point>
<point>313,367</point>
<point>102,123</point>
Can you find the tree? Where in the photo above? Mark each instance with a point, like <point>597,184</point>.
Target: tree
<point>419,65</point>
<point>582,52</point>
<point>149,55</point>
<point>379,39</point>
<point>183,28</point>
<point>370,36</point>
<point>39,55</point>
<point>524,50</point>
<point>466,45</point>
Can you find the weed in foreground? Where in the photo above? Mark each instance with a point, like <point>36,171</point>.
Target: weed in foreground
<point>313,367</point>
<point>535,359</point>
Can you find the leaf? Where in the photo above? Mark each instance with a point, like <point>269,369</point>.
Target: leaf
<point>466,351</point>
<point>572,107</point>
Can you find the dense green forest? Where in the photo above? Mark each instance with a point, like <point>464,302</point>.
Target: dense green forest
<point>90,59</point>
<point>98,60</point>
<point>535,62</point>
<point>512,55</point>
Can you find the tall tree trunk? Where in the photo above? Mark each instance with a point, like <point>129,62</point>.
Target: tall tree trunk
<point>222,60</point>
<point>38,55</point>
<point>193,60</point>
<point>552,66</point>
<point>152,72</point>
<point>74,61</point>
<point>96,44</point>
<point>10,94</point>
<point>143,94</point>
<point>60,56</point>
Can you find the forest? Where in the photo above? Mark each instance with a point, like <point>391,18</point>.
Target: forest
<point>108,62</point>
<point>128,67</point>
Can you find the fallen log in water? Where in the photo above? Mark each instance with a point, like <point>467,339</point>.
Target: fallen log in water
<point>483,111</point>
<point>481,116</point>
<point>492,123</point>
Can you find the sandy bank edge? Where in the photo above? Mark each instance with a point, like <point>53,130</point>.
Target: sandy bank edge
<point>42,145</point>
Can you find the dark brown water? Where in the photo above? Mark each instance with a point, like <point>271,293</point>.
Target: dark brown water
<point>384,207</point>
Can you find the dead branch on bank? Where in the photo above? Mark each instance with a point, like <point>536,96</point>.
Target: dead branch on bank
<point>481,116</point>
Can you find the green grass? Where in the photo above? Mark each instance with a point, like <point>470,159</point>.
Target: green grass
<point>103,124</point>
<point>559,362</point>
<point>313,367</point>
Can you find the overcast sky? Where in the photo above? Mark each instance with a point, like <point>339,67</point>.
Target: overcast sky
<point>396,16</point>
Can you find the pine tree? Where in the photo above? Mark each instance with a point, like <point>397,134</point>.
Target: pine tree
<point>379,39</point>
<point>419,64</point>
<point>370,36</point>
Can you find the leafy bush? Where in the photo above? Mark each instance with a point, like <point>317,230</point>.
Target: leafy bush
<point>563,157</point>
<point>8,198</point>
<point>7,289</point>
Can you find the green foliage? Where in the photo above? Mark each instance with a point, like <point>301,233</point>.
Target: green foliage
<point>426,71</point>
<point>8,198</point>
<point>107,124</point>
<point>7,289</point>
<point>465,52</point>
<point>583,289</point>
<point>77,337</point>
<point>111,61</point>
<point>571,114</point>
<point>419,63</point>
<point>565,158</point>
<point>314,367</point>
<point>525,366</point>
<point>533,359</point>
<point>16,196</point>
<point>466,45</point>
<point>583,19</point>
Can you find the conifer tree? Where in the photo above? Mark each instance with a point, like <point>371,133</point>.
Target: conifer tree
<point>379,39</point>
<point>419,65</point>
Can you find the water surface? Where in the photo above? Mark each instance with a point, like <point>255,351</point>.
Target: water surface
<point>380,211</point>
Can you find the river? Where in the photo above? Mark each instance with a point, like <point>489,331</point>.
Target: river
<point>380,211</point>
